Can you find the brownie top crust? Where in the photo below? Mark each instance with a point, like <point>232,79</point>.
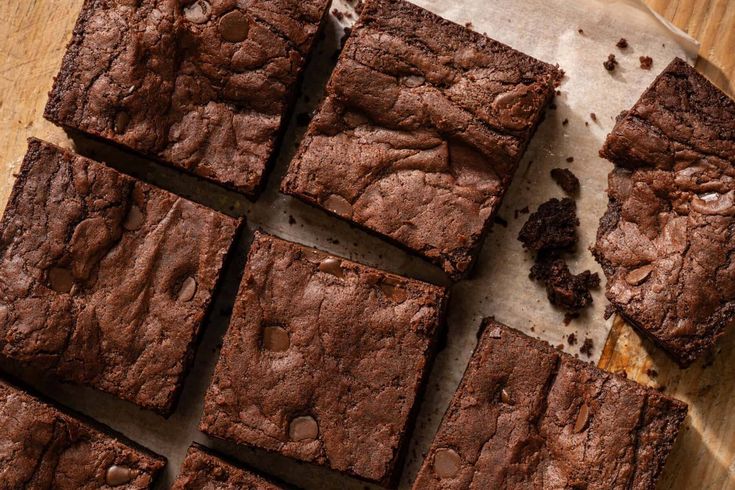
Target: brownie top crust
<point>666,241</point>
<point>204,470</point>
<point>422,127</point>
<point>203,85</point>
<point>105,280</point>
<point>324,359</point>
<point>42,448</point>
<point>529,416</point>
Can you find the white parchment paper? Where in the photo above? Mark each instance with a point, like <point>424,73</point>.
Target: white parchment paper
<point>578,36</point>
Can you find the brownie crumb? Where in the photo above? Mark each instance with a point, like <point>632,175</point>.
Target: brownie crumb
<point>586,123</point>
<point>566,180</point>
<point>651,373</point>
<point>468,25</point>
<point>593,116</point>
<point>622,44</point>
<point>587,347</point>
<point>570,159</point>
<point>291,220</point>
<point>610,63</point>
<point>558,92</point>
<point>559,346</point>
<point>565,122</point>
<point>552,226</point>
<point>501,221</point>
<point>581,31</point>
<point>646,62</point>
<point>566,290</point>
<point>572,339</point>
<point>609,311</point>
<point>338,14</point>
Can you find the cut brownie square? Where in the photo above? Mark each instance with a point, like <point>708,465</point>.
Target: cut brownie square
<point>203,470</point>
<point>423,125</point>
<point>667,240</point>
<point>203,85</point>
<point>529,416</point>
<point>324,360</point>
<point>105,280</point>
<point>45,447</point>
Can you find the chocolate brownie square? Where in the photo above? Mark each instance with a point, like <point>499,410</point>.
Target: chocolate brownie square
<point>203,470</point>
<point>667,240</point>
<point>105,280</point>
<point>45,447</point>
<point>324,360</point>
<point>529,416</point>
<point>423,125</point>
<point>203,85</point>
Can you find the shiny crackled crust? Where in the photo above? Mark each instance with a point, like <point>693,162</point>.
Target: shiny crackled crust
<point>361,343</point>
<point>42,447</point>
<point>148,78</point>
<point>202,470</point>
<point>421,130</point>
<point>666,243</point>
<point>92,264</point>
<point>529,416</point>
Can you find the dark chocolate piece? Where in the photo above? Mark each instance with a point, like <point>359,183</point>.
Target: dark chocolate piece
<point>340,385</point>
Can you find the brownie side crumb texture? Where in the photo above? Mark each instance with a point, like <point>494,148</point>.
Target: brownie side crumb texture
<point>666,242</point>
<point>552,226</point>
<point>105,280</point>
<point>42,447</point>
<point>529,416</point>
<point>324,360</point>
<point>203,85</point>
<point>423,125</point>
<point>204,470</point>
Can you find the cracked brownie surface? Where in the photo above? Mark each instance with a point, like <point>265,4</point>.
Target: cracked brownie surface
<point>203,85</point>
<point>44,448</point>
<point>423,125</point>
<point>666,242</point>
<point>529,416</point>
<point>324,359</point>
<point>104,280</point>
<point>204,470</point>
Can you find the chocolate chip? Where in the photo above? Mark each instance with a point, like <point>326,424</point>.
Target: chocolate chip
<point>188,290</point>
<point>233,26</point>
<point>639,275</point>
<point>338,205</point>
<point>505,397</point>
<point>276,339</point>
<point>135,219</point>
<point>122,119</point>
<point>333,266</point>
<point>582,418</point>
<point>446,462</point>
<point>119,475</point>
<point>304,427</point>
<point>198,12</point>
<point>60,279</point>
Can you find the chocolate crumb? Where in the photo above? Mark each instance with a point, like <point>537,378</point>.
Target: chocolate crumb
<point>338,14</point>
<point>570,159</point>
<point>560,347</point>
<point>587,347</point>
<point>593,116</point>
<point>586,123</point>
<point>566,180</point>
<point>572,339</point>
<point>468,25</point>
<point>581,31</point>
<point>610,63</point>
<point>565,122</point>
<point>622,44</point>
<point>558,93</point>
<point>646,62</point>
<point>291,220</point>
<point>568,317</point>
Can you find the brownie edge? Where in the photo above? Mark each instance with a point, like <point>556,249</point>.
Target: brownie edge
<point>529,416</point>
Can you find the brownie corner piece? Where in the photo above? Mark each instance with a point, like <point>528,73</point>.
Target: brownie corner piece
<point>667,240</point>
<point>421,130</point>
<point>324,360</point>
<point>572,424</point>
<point>105,280</point>
<point>205,86</point>
<point>202,469</point>
<point>47,447</point>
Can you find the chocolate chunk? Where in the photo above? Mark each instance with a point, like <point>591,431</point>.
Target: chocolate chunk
<point>302,428</point>
<point>552,226</point>
<point>118,475</point>
<point>583,417</point>
<point>276,339</point>
<point>333,266</point>
<point>566,180</point>
<point>233,26</point>
<point>188,290</point>
<point>446,462</point>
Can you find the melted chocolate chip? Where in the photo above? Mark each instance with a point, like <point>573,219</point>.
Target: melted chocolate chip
<point>60,279</point>
<point>119,475</point>
<point>302,428</point>
<point>276,339</point>
<point>188,290</point>
<point>446,462</point>
<point>233,26</point>
<point>582,418</point>
<point>333,266</point>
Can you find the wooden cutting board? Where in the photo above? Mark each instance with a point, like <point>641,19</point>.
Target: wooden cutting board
<point>34,33</point>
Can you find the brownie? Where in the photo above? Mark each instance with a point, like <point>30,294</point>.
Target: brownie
<point>553,226</point>
<point>45,447</point>
<point>529,416</point>
<point>204,470</point>
<point>568,291</point>
<point>667,240</point>
<point>422,127</point>
<point>105,280</point>
<point>324,360</point>
<point>203,85</point>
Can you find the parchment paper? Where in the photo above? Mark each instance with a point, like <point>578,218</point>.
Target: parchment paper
<point>546,29</point>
